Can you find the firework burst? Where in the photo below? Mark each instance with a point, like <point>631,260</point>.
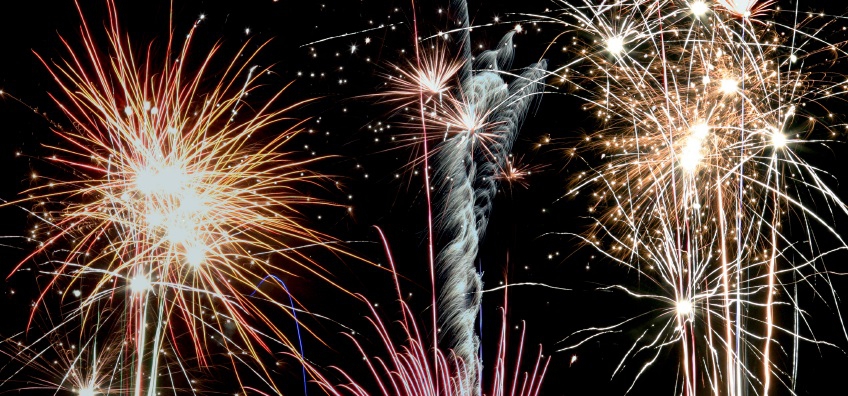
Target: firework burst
<point>702,109</point>
<point>181,195</point>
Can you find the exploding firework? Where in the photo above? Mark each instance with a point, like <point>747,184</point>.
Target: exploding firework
<point>85,369</point>
<point>703,108</point>
<point>180,202</point>
<point>468,118</point>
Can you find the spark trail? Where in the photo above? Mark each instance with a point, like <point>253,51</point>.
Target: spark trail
<point>178,192</point>
<point>702,108</point>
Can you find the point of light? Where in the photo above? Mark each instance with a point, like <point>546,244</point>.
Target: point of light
<point>179,232</point>
<point>699,8</point>
<point>700,131</point>
<point>431,81</point>
<point>684,307</point>
<point>778,140</point>
<point>466,118</point>
<point>87,391</point>
<point>191,203</point>
<point>168,179</point>
<point>742,8</point>
<point>140,283</point>
<point>615,45</point>
<point>729,85</point>
<point>195,256</point>
<point>690,156</point>
<point>689,159</point>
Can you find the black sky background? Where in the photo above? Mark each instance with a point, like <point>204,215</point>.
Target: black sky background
<point>376,181</point>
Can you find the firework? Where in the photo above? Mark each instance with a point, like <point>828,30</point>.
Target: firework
<point>488,114</point>
<point>702,108</point>
<point>414,367</point>
<point>85,369</point>
<point>409,368</point>
<point>180,195</point>
<point>468,118</point>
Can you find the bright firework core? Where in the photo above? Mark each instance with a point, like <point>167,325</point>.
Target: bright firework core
<point>615,45</point>
<point>691,155</point>
<point>171,201</point>
<point>684,308</point>
<point>87,392</point>
<point>139,284</point>
<point>432,81</point>
<point>778,140</point>
<point>195,255</point>
<point>729,85</point>
<point>699,8</point>
<point>167,179</point>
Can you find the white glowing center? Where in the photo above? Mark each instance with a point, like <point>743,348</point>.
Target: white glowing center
<point>615,45</point>
<point>174,206</point>
<point>87,392</point>
<point>684,307</point>
<point>778,139</point>
<point>179,232</point>
<point>729,85</point>
<point>139,284</point>
<point>691,155</point>
<point>430,82</point>
<point>195,256</point>
<point>168,179</point>
<point>699,8</point>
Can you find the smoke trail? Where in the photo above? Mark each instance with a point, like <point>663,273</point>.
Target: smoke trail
<point>465,175</point>
<point>459,294</point>
<point>507,124</point>
<point>460,11</point>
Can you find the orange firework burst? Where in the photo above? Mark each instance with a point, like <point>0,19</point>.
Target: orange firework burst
<point>517,172</point>
<point>703,112</point>
<point>178,201</point>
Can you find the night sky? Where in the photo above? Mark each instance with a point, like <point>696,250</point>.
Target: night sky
<point>337,53</point>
